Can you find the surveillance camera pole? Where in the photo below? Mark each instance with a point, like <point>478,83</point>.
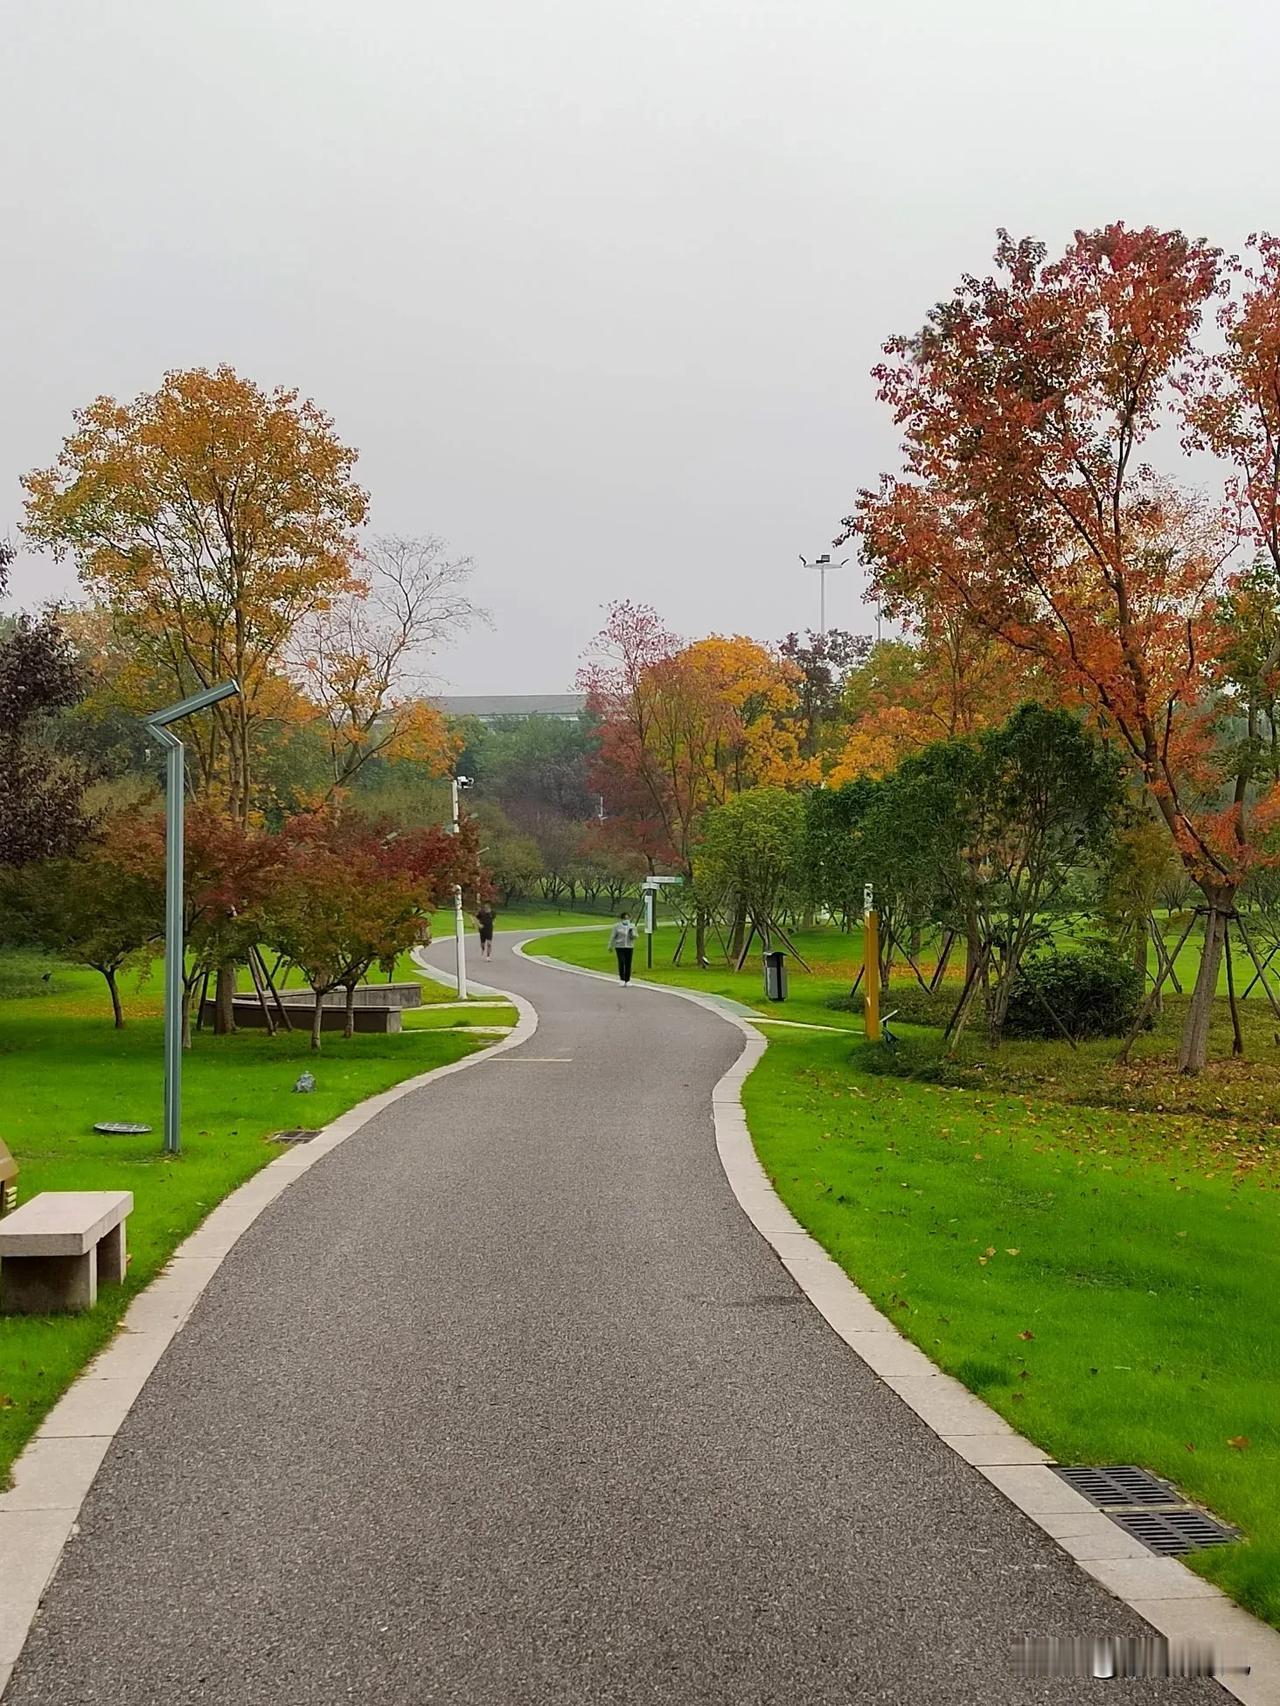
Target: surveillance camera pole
<point>459,923</point>
<point>174,939</point>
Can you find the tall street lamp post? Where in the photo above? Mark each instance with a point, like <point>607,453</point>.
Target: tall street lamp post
<point>824,565</point>
<point>458,783</point>
<point>174,939</point>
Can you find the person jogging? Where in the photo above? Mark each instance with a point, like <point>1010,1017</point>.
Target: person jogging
<point>484,919</point>
<point>622,939</point>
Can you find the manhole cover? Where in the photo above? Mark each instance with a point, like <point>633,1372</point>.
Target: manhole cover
<point>1170,1532</point>
<point>295,1134</point>
<point>120,1128</point>
<point>1122,1484</point>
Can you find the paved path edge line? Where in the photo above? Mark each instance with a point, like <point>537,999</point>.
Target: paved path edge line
<point>1180,1605</point>
<point>56,1469</point>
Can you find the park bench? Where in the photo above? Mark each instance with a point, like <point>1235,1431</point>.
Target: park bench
<point>55,1248</point>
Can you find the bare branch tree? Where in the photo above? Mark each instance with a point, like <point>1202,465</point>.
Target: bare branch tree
<point>363,660</point>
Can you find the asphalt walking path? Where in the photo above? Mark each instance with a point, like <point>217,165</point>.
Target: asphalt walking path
<point>506,1401</point>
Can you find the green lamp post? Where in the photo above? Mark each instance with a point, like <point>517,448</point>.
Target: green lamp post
<point>174,939</point>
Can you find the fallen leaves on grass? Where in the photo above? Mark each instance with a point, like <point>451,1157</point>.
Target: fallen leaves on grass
<point>1239,1443</point>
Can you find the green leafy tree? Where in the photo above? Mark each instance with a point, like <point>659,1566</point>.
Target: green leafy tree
<point>41,791</point>
<point>750,849</point>
<point>998,827</point>
<point>511,858</point>
<point>91,910</point>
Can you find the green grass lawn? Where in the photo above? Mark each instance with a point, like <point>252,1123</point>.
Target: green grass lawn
<point>1105,1279</point>
<point>65,1068</point>
<point>434,1017</point>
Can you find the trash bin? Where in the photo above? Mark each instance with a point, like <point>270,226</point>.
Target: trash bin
<point>775,975</point>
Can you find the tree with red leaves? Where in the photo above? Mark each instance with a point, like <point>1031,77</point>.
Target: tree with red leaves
<point>1026,402</point>
<point>230,874</point>
<point>352,894</point>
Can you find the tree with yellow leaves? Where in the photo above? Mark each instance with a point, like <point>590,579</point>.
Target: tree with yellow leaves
<point>211,518</point>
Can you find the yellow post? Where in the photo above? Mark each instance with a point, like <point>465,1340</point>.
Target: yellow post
<point>871,974</point>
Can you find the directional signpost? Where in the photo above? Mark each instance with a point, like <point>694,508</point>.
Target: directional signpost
<point>651,888</point>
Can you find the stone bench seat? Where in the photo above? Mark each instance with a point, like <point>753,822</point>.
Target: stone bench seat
<point>366,995</point>
<point>55,1248</point>
<point>248,1015</point>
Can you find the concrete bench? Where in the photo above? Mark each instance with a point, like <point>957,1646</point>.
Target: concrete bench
<point>366,995</point>
<point>55,1248</point>
<point>248,1015</point>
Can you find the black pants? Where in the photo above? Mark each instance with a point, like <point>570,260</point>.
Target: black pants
<point>624,963</point>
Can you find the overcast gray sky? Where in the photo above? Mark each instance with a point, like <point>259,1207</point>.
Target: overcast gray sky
<point>593,287</point>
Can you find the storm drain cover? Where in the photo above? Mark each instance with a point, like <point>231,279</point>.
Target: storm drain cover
<point>1170,1532</point>
<point>120,1128</point>
<point>295,1134</point>
<point>1121,1484</point>
<point>1151,1510</point>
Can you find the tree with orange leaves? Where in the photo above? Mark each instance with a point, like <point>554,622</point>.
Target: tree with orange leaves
<point>683,727</point>
<point>949,679</point>
<point>1025,403</point>
<point>211,517</point>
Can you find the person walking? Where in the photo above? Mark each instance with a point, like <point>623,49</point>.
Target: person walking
<point>484,919</point>
<point>622,939</point>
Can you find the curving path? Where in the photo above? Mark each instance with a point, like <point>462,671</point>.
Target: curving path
<point>505,1401</point>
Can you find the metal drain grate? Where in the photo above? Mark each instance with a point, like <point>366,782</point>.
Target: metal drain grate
<point>295,1134</point>
<point>1121,1484</point>
<point>1151,1510</point>
<point>1171,1532</point>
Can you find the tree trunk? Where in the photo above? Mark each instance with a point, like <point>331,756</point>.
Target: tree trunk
<point>1194,1047</point>
<point>317,1019</point>
<point>998,1008</point>
<point>188,990</point>
<point>224,1013</point>
<point>700,936</point>
<point>735,934</point>
<point>117,1010</point>
<point>1141,942</point>
<point>960,1018</point>
<point>349,1028</point>
<point>972,941</point>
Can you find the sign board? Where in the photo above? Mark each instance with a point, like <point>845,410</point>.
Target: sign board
<point>868,899</point>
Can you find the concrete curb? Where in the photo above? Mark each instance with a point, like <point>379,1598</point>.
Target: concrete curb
<point>56,1470</point>
<point>1174,1600</point>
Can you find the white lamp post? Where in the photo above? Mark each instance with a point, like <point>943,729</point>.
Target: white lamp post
<point>458,784</point>
<point>823,564</point>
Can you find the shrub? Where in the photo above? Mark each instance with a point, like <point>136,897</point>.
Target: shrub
<point>909,1004</point>
<point>1092,991</point>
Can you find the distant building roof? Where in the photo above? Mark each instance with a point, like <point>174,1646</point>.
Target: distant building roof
<point>488,706</point>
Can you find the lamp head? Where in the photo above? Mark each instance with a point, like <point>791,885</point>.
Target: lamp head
<point>197,702</point>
